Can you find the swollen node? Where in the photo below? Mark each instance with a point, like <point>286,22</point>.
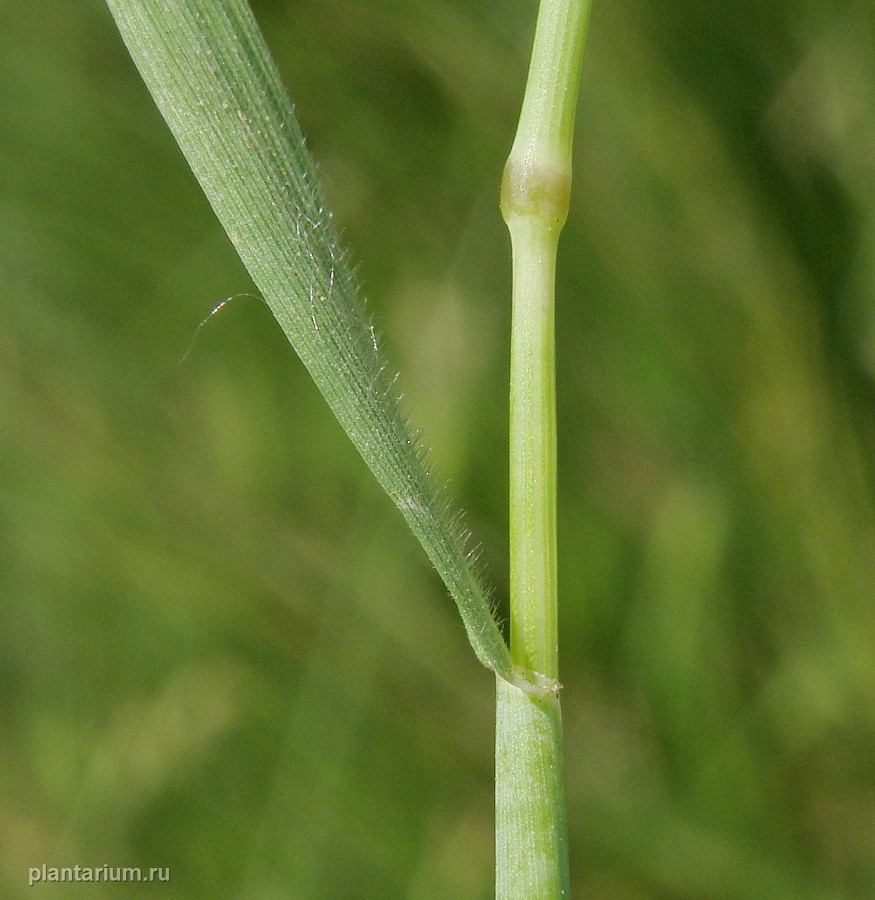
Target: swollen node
<point>530,187</point>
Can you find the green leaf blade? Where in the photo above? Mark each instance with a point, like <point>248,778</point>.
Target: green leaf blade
<point>211,75</point>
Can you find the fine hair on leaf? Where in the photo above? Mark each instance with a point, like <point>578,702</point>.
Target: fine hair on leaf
<point>208,69</point>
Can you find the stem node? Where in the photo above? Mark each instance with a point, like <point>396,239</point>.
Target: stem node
<point>531,187</point>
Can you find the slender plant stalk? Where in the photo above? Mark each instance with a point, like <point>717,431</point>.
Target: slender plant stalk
<point>531,835</point>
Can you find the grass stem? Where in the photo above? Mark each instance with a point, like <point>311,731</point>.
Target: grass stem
<point>531,834</point>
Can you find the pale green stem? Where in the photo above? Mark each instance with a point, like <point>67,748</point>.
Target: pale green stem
<point>533,610</point>
<point>531,840</point>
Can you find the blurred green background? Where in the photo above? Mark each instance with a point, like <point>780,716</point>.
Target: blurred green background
<point>222,652</point>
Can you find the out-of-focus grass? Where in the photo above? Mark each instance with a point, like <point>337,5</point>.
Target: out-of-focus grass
<point>212,621</point>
